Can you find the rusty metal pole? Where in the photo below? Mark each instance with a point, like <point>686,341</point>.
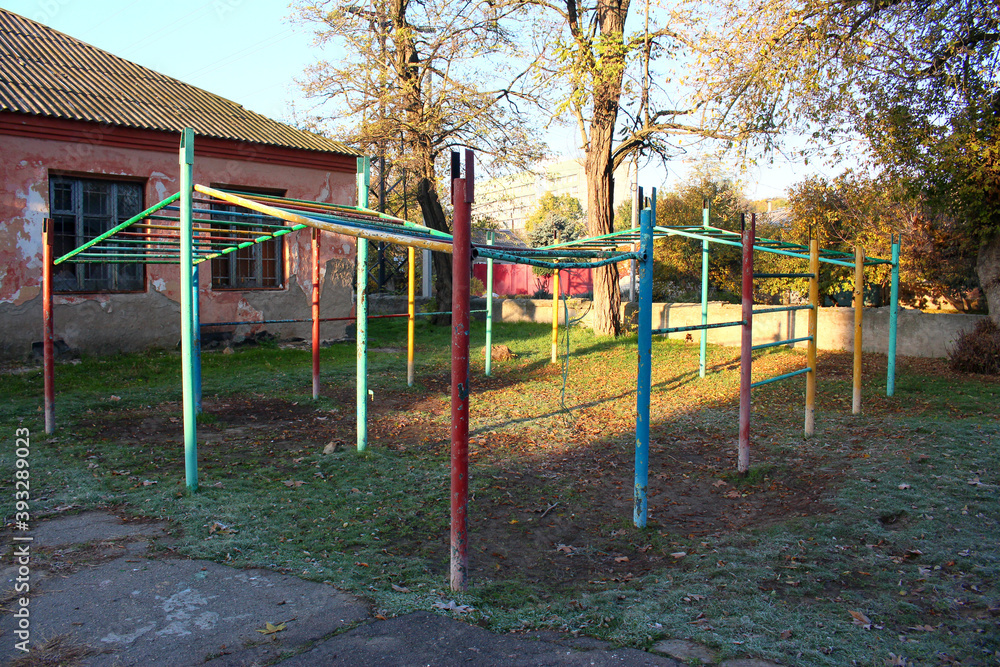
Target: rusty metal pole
<point>743,457</point>
<point>315,312</point>
<point>47,351</point>
<point>461,263</point>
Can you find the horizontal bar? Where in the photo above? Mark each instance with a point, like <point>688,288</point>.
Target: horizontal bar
<point>396,237</point>
<point>790,341</point>
<point>780,309</point>
<point>117,228</point>
<point>515,258</point>
<point>698,327</point>
<point>783,376</point>
<point>322,319</point>
<point>783,275</point>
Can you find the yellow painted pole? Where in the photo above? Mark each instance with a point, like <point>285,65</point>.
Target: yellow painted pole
<point>555,316</point>
<point>410,311</point>
<point>813,327</point>
<point>859,308</point>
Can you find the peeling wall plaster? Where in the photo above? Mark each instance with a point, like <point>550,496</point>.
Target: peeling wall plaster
<point>101,323</point>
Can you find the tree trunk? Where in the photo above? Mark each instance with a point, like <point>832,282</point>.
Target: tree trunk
<point>434,218</point>
<point>988,270</point>
<point>600,163</point>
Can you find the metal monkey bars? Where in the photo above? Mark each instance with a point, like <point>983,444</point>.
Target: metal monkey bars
<point>180,230</point>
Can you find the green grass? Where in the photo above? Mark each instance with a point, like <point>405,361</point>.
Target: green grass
<point>904,530</point>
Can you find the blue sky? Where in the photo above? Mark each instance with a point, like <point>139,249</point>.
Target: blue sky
<point>249,51</point>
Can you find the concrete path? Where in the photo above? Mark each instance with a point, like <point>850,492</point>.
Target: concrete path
<point>103,598</point>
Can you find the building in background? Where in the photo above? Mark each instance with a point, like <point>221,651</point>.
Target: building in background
<point>89,140</point>
<point>511,199</point>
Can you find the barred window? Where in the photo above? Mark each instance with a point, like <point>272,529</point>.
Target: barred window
<point>82,209</point>
<point>258,266</point>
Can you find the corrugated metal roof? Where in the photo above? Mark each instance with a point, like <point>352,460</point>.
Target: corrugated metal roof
<point>44,72</point>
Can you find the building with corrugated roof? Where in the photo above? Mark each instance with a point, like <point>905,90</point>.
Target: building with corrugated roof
<point>90,139</point>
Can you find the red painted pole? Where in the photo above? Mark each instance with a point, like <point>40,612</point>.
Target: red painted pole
<point>743,458</point>
<point>47,351</point>
<point>461,267</point>
<point>315,312</point>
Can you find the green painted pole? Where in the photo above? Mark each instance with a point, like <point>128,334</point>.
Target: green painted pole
<point>703,353</point>
<point>489,307</point>
<point>890,381</point>
<point>187,313</point>
<point>361,310</point>
<point>196,333</point>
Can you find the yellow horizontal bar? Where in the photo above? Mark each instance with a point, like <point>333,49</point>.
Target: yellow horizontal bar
<point>370,234</point>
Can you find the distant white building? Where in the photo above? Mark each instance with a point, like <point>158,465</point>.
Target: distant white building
<point>511,199</point>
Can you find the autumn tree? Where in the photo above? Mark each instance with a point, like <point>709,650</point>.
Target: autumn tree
<point>915,80</point>
<point>564,210</point>
<point>937,259</point>
<point>418,79</point>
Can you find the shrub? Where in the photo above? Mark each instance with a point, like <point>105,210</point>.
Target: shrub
<point>476,287</point>
<point>978,351</point>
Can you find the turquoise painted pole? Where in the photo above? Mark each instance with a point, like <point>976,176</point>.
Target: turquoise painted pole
<point>196,332</point>
<point>361,311</point>
<point>703,353</point>
<point>890,380</point>
<point>187,313</point>
<point>489,307</point>
<point>644,380</point>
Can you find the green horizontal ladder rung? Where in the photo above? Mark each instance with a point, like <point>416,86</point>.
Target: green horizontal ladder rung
<point>784,275</point>
<point>783,376</point>
<point>780,309</point>
<point>697,327</point>
<point>790,341</point>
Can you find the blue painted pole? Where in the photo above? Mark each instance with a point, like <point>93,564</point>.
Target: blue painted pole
<point>489,307</point>
<point>196,333</point>
<point>187,312</point>
<point>703,352</point>
<point>890,381</point>
<point>644,381</point>
<point>361,311</point>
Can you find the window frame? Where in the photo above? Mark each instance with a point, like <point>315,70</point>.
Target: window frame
<point>79,216</point>
<point>255,253</point>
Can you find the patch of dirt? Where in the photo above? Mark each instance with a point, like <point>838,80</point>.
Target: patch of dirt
<point>545,509</point>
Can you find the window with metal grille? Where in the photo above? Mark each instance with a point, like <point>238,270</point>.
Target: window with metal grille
<point>257,266</point>
<point>82,209</point>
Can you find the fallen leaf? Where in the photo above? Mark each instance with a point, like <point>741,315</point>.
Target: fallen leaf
<point>679,554</point>
<point>400,589</point>
<point>975,481</point>
<point>904,486</point>
<point>922,628</point>
<point>787,634</point>
<point>621,559</point>
<point>565,548</point>
<point>149,482</point>
<point>451,605</point>
<point>861,619</point>
<point>221,528</point>
<point>290,483</point>
<point>717,483</point>
<point>270,628</point>
<point>732,494</point>
<point>361,564</point>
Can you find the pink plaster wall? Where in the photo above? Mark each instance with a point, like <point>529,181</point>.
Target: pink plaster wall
<point>153,318</point>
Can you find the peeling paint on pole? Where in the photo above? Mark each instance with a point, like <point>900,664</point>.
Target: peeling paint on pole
<point>462,197</point>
